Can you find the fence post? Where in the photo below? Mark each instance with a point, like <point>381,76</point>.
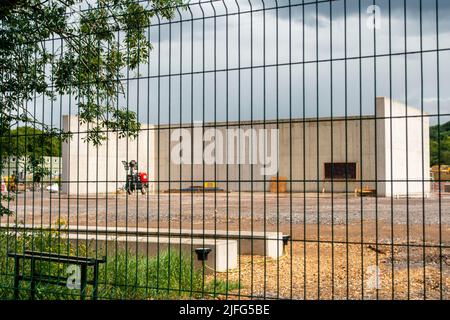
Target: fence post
<point>33,279</point>
<point>83,282</point>
<point>16,278</point>
<point>95,285</point>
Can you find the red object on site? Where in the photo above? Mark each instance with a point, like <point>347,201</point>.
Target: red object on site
<point>143,177</point>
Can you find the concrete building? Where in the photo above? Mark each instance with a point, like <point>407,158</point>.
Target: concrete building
<point>54,166</point>
<point>14,166</point>
<point>20,167</point>
<point>389,153</point>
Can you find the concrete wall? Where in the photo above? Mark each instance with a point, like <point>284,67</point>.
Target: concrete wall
<point>89,170</point>
<point>300,158</point>
<point>404,149</point>
<point>230,174</point>
<point>383,149</point>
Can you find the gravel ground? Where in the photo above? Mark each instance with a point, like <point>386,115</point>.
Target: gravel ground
<point>297,208</point>
<point>343,273</point>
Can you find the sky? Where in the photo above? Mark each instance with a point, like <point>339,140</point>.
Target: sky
<point>241,59</point>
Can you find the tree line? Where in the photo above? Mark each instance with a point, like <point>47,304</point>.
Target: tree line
<point>30,142</point>
<point>440,144</point>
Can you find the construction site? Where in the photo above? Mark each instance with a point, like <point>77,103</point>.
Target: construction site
<point>350,227</point>
<point>307,232</point>
<point>224,149</point>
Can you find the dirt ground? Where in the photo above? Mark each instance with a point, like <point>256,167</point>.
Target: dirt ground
<point>344,272</point>
<point>337,241</point>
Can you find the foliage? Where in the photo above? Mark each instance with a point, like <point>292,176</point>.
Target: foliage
<point>4,211</point>
<point>166,276</point>
<point>51,48</point>
<point>95,47</point>
<point>124,276</point>
<point>37,167</point>
<point>440,144</point>
<point>45,241</point>
<point>28,141</point>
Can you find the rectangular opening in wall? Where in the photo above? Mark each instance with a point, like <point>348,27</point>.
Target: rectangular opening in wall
<point>340,171</point>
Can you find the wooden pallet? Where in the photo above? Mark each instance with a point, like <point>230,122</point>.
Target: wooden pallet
<point>365,192</point>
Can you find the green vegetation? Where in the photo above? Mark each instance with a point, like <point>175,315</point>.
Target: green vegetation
<point>29,141</point>
<point>169,276</point>
<point>444,136</point>
<point>88,62</point>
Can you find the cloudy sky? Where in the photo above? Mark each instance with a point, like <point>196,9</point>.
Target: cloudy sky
<point>241,59</point>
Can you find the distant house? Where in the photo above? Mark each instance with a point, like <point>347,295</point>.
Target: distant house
<point>14,166</point>
<point>54,165</point>
<point>20,167</point>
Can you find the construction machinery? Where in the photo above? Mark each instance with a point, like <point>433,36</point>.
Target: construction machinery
<point>135,180</point>
<point>11,183</point>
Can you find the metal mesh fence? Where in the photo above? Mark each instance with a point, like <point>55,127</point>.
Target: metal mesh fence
<point>226,149</point>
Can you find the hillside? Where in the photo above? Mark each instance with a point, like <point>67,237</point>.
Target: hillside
<point>444,144</point>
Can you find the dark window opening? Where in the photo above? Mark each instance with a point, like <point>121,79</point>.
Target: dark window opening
<point>340,171</point>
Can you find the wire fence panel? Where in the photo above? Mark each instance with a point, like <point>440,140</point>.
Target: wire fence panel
<point>237,149</point>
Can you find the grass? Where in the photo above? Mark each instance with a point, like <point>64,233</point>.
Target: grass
<point>170,275</point>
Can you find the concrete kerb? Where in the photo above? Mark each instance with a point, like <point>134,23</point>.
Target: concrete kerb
<point>260,243</point>
<point>223,254</point>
